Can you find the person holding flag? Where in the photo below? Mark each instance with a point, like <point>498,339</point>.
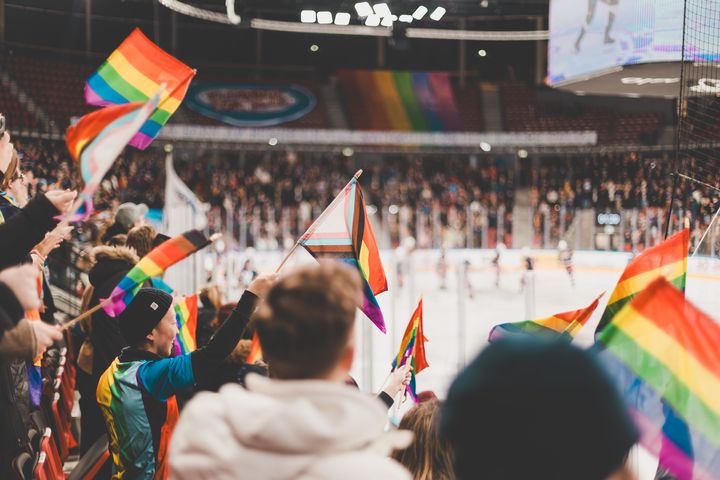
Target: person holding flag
<point>304,421</point>
<point>137,392</point>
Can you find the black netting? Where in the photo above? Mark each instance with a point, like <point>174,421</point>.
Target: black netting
<point>697,184</point>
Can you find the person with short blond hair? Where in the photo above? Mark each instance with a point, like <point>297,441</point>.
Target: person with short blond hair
<point>303,422</point>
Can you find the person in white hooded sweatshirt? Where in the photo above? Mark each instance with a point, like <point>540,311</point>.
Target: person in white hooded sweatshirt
<point>303,422</point>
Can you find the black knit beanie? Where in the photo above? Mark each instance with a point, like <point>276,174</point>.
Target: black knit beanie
<point>536,409</point>
<point>142,315</point>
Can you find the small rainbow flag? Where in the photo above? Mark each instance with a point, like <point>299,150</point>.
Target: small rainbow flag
<point>133,73</point>
<point>343,232</point>
<point>567,323</point>
<point>255,350</point>
<point>662,353</point>
<point>186,313</point>
<point>153,264</point>
<point>412,349</point>
<point>668,260</point>
<point>98,138</point>
<point>34,369</point>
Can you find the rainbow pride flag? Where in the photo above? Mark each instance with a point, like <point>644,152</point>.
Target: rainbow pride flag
<point>98,138</point>
<point>412,349</point>
<point>255,350</point>
<point>343,232</point>
<point>668,260</point>
<point>133,73</point>
<point>400,100</point>
<point>153,264</point>
<point>186,313</point>
<point>566,323</point>
<point>662,353</point>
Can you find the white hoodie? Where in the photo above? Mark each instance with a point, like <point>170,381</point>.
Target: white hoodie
<point>304,429</point>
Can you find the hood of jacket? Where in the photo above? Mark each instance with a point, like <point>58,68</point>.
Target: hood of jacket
<point>109,262</point>
<point>286,429</point>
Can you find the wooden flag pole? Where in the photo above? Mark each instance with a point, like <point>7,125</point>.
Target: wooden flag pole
<point>86,314</point>
<point>297,244</point>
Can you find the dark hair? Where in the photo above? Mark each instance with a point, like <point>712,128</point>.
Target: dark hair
<point>306,320</point>
<point>427,457</point>
<point>118,240</point>
<point>534,395</point>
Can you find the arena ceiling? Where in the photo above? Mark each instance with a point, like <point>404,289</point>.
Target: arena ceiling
<point>455,8</point>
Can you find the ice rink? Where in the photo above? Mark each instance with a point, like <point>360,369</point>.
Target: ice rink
<point>457,323</point>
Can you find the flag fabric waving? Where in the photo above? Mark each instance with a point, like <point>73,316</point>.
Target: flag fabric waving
<point>133,73</point>
<point>153,264</point>
<point>98,138</point>
<point>412,349</point>
<point>343,232</point>
<point>186,313</point>
<point>668,260</point>
<point>662,353</point>
<point>255,350</point>
<point>568,323</point>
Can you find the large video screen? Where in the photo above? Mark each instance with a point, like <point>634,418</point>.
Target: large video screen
<point>592,36</point>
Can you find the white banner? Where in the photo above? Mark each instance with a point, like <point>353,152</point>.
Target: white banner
<point>183,211</point>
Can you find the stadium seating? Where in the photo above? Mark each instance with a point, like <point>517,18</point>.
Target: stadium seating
<point>522,112</point>
<point>56,85</point>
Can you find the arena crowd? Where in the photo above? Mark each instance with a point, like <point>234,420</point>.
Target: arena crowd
<point>297,413</point>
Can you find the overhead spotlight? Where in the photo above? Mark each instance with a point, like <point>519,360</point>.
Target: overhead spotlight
<point>230,9</point>
<point>372,20</point>
<point>347,152</point>
<point>387,21</point>
<point>482,53</point>
<point>324,18</point>
<point>382,10</point>
<point>522,153</point>
<point>438,13</point>
<point>484,3</point>
<point>485,147</point>
<point>406,18</point>
<point>342,18</point>
<point>314,48</point>
<point>308,16</point>
<point>420,12</point>
<point>272,142</point>
<point>363,9</point>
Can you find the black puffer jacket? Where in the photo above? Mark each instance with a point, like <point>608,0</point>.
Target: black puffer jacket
<point>112,263</point>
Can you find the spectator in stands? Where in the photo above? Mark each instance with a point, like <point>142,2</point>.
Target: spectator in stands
<point>20,340</point>
<point>428,457</point>
<point>20,233</point>
<point>549,400</point>
<point>140,410</point>
<point>111,265</point>
<point>127,216</point>
<point>141,239</point>
<point>119,240</point>
<point>207,320</point>
<point>304,422</point>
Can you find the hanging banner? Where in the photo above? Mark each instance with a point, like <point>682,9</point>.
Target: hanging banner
<point>251,105</point>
